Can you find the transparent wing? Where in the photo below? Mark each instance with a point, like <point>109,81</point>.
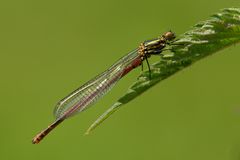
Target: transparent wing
<point>94,89</point>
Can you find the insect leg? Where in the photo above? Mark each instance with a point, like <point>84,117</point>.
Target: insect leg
<point>149,69</point>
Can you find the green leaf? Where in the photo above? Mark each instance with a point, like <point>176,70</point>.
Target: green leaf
<point>205,38</point>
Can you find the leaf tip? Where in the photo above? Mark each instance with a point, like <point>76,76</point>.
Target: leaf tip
<point>86,133</point>
<point>90,129</point>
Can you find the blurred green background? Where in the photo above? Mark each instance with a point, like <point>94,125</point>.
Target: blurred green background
<point>49,48</point>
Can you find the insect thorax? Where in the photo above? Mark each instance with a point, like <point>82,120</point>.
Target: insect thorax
<point>155,46</point>
<point>152,47</point>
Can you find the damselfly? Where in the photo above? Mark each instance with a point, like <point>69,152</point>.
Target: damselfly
<point>96,88</point>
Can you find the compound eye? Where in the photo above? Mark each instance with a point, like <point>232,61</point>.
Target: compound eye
<point>170,35</point>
